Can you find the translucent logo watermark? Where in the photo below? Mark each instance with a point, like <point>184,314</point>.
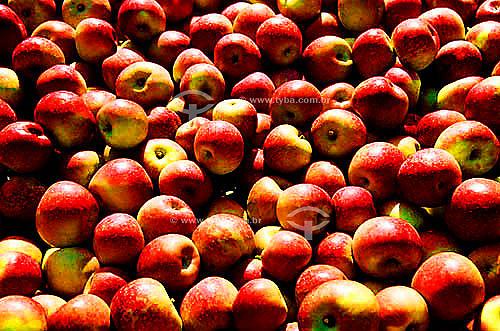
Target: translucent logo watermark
<point>192,109</point>
<point>311,224</point>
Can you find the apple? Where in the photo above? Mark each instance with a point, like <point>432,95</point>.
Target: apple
<point>186,180</point>
<point>118,239</point>
<point>304,208</point>
<point>66,214</point>
<point>96,98</point>
<point>165,47</point>
<point>245,271</point>
<point>259,304</point>
<point>221,240</point>
<point>352,206</point>
<point>487,11</point>
<point>19,198</point>
<point>163,123</point>
<point>185,133</point>
<point>286,255</point>
<point>140,20</point>
<point>232,10</point>
<point>387,246</point>
<point>68,269</point>
<point>486,36</point>
<point>472,210</point>
<point>21,245</point>
<point>21,313</point>
<point>452,96</point>
<point>480,100</point>
<point>226,205</point>
<point>177,10</point>
<point>21,274</point>
<point>264,124</point>
<point>330,307</point>
<point>257,88</point>
<point>7,114</point>
<point>280,40</point>
<point>11,89</point>
<point>143,304</point>
<point>337,96</point>
<point>251,168</point>
<point>157,153</point>
<point>380,103</point>
<point>431,125</point>
<point>79,167</point>
<point>414,215</point>
<point>73,12</point>
<point>487,319</point>
<point>172,259</point>
<point>251,17</point>
<point>402,307</point>
<point>262,200</point>
<point>105,282</point>
<point>13,30</point>
<point>336,250</point>
<point>428,177</point>
<point>286,150</point>
<point>407,144</point>
<point>472,144</point>
<point>218,145</point>
<point>207,5</point>
<point>326,23</point>
<point>122,123</point>
<point>314,276</point>
<point>207,30</point>
<point>263,236</point>
<point>326,175</point>
<point>337,133</point>
<point>208,305</point>
<point>202,86</point>
<point>33,13</point>
<point>373,43</point>
<point>436,241</point>
<point>241,113</point>
<point>61,33</point>
<point>300,11</point>
<point>113,65</point>
<point>186,59</point>
<point>451,284</point>
<point>281,75</point>
<point>416,43</point>
<point>91,31</point>
<point>61,77</point>
<point>447,22</point>
<point>359,16</point>
<point>375,167</point>
<point>34,55</point>
<point>485,258</point>
<point>121,185</point>
<point>84,311</point>
<point>51,303</point>
<point>396,11</point>
<point>328,60</point>
<point>408,80</point>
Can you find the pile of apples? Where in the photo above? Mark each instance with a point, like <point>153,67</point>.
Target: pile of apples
<point>264,165</point>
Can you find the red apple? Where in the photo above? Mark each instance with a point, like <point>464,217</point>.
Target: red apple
<point>22,313</point>
<point>396,11</point>
<point>73,12</point>
<point>485,258</point>
<point>326,23</point>
<point>95,40</point>
<point>21,274</point>
<point>480,101</point>
<point>352,205</point>
<point>96,98</point>
<point>435,241</point>
<point>486,36</point>
<point>51,303</point>
<point>186,59</point>
<point>201,86</point>
<point>19,198</point>
<point>245,271</point>
<point>21,245</point>
<point>165,47</point>
<point>140,20</point>
<point>408,80</point>
<point>257,88</point>
<point>105,282</point>
<point>337,96</point>
<point>447,22</point>
<point>115,63</point>
<point>431,125</point>
<point>360,16</point>
<point>336,250</point>
<point>61,77</point>
<point>232,10</point>
<point>13,30</point>
<point>373,44</point>
<point>177,10</point>
<point>487,11</point>
<point>452,96</point>
<point>207,30</point>
<point>7,114</point>
<point>314,276</point>
<point>241,113</point>
<point>33,13</point>
<point>326,175</point>
<point>251,17</point>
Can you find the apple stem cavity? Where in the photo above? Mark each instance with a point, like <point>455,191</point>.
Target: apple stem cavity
<point>332,135</point>
<point>159,154</point>
<point>80,7</point>
<point>329,321</point>
<point>474,154</point>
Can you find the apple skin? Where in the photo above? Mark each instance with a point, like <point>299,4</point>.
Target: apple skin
<point>68,269</point>
<point>206,78</point>
<point>118,239</point>
<point>487,11</point>
<point>280,40</point>
<point>142,305</point>
<point>61,33</point>
<point>91,32</point>
<point>296,102</point>
<point>185,133</point>
<point>485,258</point>
<point>96,98</point>
<point>286,150</point>
<point>22,313</point>
<point>221,240</point>
<point>314,276</point>
<point>7,114</point>
<point>396,11</point>
<point>472,144</point>
<point>416,216</point>
<point>352,206</point>
<point>250,18</point>
<point>11,89</point>
<point>61,77</point>
<point>373,43</point>
<point>188,181</point>
<point>21,274</point>
<point>402,307</point>
<point>66,214</point>
<point>326,175</point>
<point>240,113</point>
<point>33,13</point>
<point>177,10</point>
<point>472,212</point>
<point>163,123</point>
<point>387,246</point>
<point>377,93</point>
<point>262,199</point>
<point>140,20</point>
<point>233,10</point>
<point>34,55</point>
<point>300,11</point>
<point>85,311</point>
<point>226,205</point>
<point>374,167</point>
<point>447,22</point>
<point>416,43</point>
<point>122,123</point>
<point>305,209</point>
<point>328,60</point>
<point>245,271</point>
<point>329,307</point>
<point>480,99</point>
<point>21,245</point>
<point>435,241</point>
<point>259,304</point>
<point>157,153</point>
<point>359,16</point>
<point>219,146</point>
<point>282,75</point>
<point>79,167</point>
<point>172,259</point>
<point>336,250</point>
<point>113,65</point>
<point>186,59</point>
<point>121,185</point>
<point>19,198</point>
<point>164,214</point>
<point>325,24</point>
<point>207,30</point>
<point>51,303</point>
<point>165,47</point>
<point>486,37</point>
<point>428,177</point>
<point>13,30</point>
<point>337,133</point>
<point>105,282</point>
<point>337,96</point>
<point>431,125</point>
<point>256,88</point>
<point>452,96</point>
<point>286,255</point>
<point>451,284</point>
<point>487,318</point>
<point>73,12</point>
<point>208,305</point>
<point>408,80</point>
